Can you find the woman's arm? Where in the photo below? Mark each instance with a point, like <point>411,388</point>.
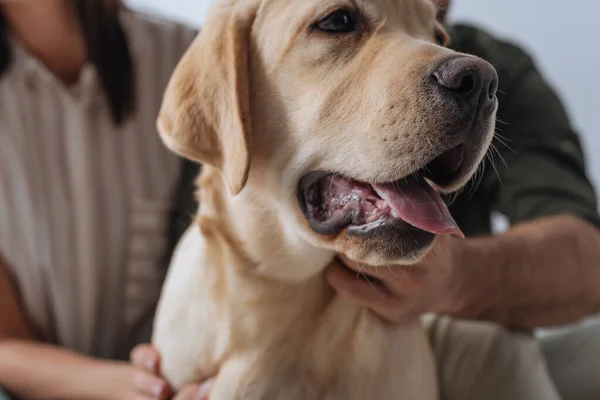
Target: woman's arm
<point>12,318</point>
<point>35,370</point>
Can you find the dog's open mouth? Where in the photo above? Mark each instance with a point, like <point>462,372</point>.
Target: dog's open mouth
<point>333,203</point>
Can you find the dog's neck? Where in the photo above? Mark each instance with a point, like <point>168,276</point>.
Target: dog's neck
<point>271,247</point>
<point>267,289</point>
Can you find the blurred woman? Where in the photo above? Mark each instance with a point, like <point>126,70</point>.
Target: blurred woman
<point>86,194</point>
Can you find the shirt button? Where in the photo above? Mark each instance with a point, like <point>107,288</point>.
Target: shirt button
<point>568,147</point>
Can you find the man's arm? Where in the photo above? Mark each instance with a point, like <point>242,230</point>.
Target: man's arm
<point>538,274</point>
<point>548,264</point>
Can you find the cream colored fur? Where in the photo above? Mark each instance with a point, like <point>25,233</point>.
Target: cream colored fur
<point>261,99</point>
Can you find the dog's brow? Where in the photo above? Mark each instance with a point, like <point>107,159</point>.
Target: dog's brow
<point>440,4</point>
<point>289,44</point>
<point>308,20</point>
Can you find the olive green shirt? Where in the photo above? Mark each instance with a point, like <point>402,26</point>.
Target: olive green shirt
<point>540,169</point>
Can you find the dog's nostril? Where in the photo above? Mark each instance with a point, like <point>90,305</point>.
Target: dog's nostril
<point>459,82</point>
<point>466,85</point>
<point>468,80</point>
<point>493,88</point>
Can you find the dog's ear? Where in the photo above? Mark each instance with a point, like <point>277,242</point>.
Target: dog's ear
<point>205,111</point>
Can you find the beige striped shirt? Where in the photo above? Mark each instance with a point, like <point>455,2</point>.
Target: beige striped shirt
<point>84,205</point>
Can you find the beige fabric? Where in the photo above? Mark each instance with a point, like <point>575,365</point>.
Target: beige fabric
<point>482,361</point>
<point>84,205</point>
<point>572,356</point>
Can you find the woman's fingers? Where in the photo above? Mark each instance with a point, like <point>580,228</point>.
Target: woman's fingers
<point>191,392</point>
<point>195,392</point>
<point>205,389</point>
<point>146,357</point>
<point>150,385</point>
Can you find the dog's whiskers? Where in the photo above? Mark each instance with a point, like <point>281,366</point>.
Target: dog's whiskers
<point>477,179</point>
<point>502,140</point>
<point>391,271</point>
<point>499,154</point>
<point>490,156</point>
<point>360,274</point>
<point>501,121</point>
<point>331,183</point>
<point>480,177</point>
<point>503,143</point>
<point>453,197</point>
<point>396,186</point>
<point>430,144</point>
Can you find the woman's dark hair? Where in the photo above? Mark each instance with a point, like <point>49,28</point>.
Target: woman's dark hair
<point>107,49</point>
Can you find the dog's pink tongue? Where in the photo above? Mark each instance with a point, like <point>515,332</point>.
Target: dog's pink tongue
<point>416,203</point>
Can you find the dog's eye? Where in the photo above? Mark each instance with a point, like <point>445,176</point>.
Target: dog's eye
<point>340,21</point>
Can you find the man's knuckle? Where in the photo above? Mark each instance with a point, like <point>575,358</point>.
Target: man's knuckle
<point>393,310</point>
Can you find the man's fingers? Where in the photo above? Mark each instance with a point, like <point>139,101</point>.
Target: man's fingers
<point>146,357</point>
<point>355,285</point>
<point>370,294</point>
<point>396,275</point>
<point>195,392</point>
<point>149,385</point>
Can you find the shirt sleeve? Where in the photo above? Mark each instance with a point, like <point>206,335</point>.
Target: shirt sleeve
<point>539,165</point>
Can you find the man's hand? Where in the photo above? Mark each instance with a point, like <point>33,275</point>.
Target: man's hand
<point>541,273</point>
<point>438,284</point>
<point>147,361</point>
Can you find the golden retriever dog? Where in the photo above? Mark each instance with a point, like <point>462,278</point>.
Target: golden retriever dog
<point>326,128</point>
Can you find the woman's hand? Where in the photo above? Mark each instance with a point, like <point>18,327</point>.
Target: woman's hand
<point>138,380</point>
<point>146,359</point>
<point>146,377</point>
<point>123,381</point>
<point>195,392</point>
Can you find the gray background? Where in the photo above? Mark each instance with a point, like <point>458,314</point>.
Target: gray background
<point>564,38</point>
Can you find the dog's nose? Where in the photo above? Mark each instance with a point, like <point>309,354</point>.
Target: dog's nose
<point>469,79</point>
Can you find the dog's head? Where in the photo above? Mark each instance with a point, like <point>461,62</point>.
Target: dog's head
<point>345,116</point>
